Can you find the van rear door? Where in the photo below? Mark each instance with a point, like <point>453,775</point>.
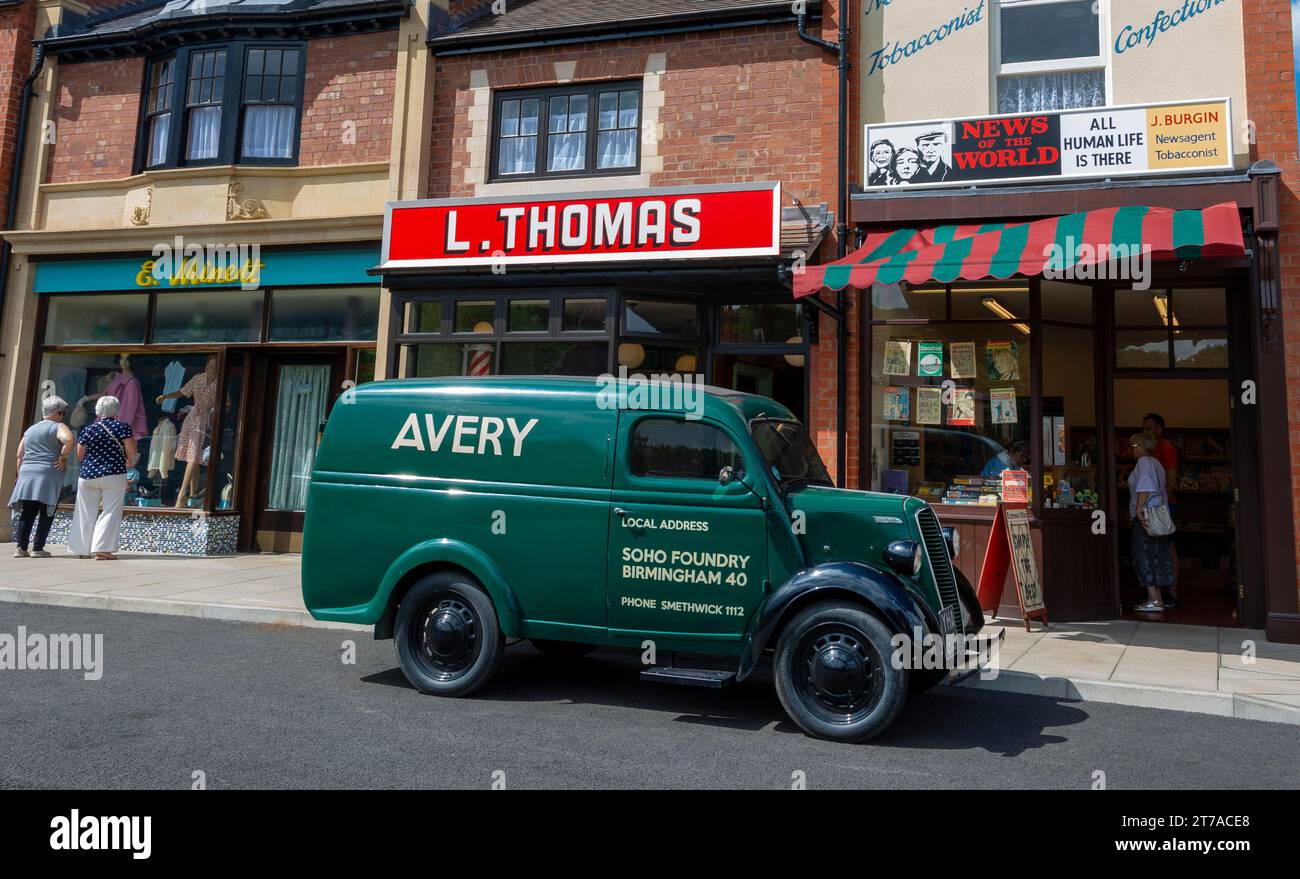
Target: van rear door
<point>687,555</point>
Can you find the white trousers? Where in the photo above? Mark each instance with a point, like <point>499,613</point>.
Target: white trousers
<point>91,530</point>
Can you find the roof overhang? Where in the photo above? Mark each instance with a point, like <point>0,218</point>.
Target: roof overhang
<point>457,39</point>
<point>154,35</point>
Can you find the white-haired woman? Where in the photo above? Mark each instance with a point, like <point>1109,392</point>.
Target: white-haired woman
<point>104,447</point>
<point>1146,488</point>
<point>42,457</point>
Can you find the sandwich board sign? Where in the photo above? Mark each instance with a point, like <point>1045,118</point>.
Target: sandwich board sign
<point>1011,548</point>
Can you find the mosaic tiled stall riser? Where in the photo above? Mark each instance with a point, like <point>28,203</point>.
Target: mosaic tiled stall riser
<point>175,535</point>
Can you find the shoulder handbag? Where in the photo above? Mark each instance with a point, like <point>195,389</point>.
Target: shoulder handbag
<point>1160,522</point>
<point>117,442</point>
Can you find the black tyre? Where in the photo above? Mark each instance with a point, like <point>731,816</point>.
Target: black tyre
<point>562,649</point>
<point>833,674</point>
<point>448,640</point>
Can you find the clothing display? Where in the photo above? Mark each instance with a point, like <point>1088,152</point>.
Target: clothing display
<point>194,429</point>
<point>71,382</point>
<point>174,375</point>
<point>162,448</point>
<point>126,387</point>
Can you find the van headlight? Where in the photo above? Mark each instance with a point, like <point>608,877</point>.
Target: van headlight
<point>952,537</point>
<point>904,557</point>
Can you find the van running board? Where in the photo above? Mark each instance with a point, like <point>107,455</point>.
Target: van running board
<point>714,679</point>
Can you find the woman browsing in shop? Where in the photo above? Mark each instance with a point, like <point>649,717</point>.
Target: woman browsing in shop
<point>1148,506</point>
<point>1164,452</point>
<point>193,436</point>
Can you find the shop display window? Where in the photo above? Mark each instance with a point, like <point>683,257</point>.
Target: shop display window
<point>173,438</point>
<point>779,376</point>
<point>950,409</point>
<point>228,470</point>
<point>661,317</point>
<point>1182,328</point>
<point>424,317</point>
<point>904,302</point>
<point>758,347</point>
<point>89,319</point>
<point>584,316</point>
<point>446,359</point>
<point>528,315</point>
<point>643,359</point>
<point>554,358</point>
<point>475,316</point>
<point>1069,441</point>
<point>207,316</point>
<point>325,315</point>
<point>760,324</point>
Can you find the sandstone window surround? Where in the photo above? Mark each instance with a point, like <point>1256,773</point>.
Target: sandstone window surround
<point>479,144</point>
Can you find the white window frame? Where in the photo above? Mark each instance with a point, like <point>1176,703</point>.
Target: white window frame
<point>1101,61</point>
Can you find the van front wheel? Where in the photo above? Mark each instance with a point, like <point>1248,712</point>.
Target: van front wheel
<point>448,640</point>
<point>833,673</point>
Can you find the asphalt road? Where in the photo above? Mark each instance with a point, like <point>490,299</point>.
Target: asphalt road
<point>253,706</point>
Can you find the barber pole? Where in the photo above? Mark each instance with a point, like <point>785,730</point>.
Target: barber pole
<point>479,360</point>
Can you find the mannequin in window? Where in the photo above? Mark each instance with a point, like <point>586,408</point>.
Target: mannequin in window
<point>202,389</point>
<point>126,387</point>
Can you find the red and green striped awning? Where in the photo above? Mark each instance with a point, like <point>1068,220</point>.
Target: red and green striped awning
<point>1001,250</point>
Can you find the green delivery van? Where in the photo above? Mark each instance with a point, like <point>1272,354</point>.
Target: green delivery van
<point>458,515</point>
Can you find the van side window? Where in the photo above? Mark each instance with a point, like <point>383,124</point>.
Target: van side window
<point>679,449</point>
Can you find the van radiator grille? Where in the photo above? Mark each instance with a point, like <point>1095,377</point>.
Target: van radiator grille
<point>936,550</point>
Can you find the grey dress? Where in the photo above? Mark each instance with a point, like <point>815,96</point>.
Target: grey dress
<point>37,478</point>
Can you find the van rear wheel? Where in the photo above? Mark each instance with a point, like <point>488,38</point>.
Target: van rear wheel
<point>447,637</point>
<point>833,674</point>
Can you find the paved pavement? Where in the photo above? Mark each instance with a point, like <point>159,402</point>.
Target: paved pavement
<point>1158,665</point>
<point>275,707</point>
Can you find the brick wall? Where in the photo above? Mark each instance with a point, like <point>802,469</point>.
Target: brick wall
<point>16,32</point>
<point>1271,96</point>
<point>347,109</point>
<point>349,80</point>
<point>738,105</point>
<point>96,110</point>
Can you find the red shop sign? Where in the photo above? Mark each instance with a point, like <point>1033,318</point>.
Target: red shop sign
<point>667,223</point>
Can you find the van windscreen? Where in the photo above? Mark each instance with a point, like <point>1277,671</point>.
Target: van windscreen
<point>789,453</point>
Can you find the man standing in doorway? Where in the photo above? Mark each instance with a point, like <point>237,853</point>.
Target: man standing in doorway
<point>1167,455</point>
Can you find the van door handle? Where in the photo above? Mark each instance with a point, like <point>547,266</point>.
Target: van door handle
<point>619,511</point>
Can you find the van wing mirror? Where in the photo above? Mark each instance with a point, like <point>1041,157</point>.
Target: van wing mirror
<point>730,474</point>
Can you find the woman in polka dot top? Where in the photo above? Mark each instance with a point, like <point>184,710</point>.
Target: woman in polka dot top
<point>103,448</point>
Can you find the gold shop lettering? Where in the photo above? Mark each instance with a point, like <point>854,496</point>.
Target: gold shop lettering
<point>193,273</point>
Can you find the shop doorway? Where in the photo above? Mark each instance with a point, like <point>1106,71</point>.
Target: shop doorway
<point>1205,555</point>
<point>290,397</point>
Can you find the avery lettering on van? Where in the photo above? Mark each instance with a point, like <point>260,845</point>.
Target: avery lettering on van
<point>464,434</point>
